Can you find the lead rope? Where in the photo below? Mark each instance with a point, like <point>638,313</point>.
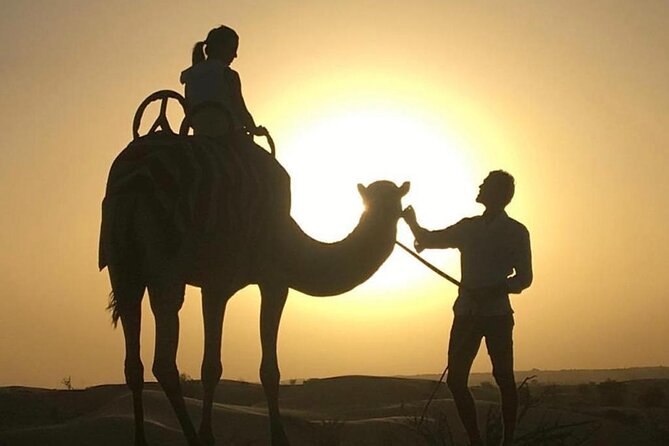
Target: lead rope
<point>454,282</point>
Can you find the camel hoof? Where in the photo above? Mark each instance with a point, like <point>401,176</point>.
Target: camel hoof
<point>282,441</point>
<point>279,438</point>
<point>207,438</point>
<point>140,439</point>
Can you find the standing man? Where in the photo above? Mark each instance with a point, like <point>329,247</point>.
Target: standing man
<point>495,260</point>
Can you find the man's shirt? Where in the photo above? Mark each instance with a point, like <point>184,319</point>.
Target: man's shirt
<point>491,251</point>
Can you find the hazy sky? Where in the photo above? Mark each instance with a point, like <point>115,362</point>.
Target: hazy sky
<point>571,97</point>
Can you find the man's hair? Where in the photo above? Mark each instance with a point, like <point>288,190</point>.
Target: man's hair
<point>504,184</point>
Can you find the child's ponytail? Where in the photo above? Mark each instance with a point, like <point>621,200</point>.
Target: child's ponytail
<point>198,53</point>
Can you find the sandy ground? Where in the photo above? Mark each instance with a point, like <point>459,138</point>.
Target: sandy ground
<point>343,411</point>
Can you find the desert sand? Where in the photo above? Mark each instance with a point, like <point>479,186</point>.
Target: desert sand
<point>341,411</point>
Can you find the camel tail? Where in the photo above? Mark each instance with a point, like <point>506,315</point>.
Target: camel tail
<point>112,307</point>
<point>119,254</point>
<point>125,302</point>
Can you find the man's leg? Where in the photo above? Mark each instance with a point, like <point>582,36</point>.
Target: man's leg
<point>499,341</point>
<point>462,348</point>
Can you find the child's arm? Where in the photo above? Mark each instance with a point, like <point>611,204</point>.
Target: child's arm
<point>244,114</point>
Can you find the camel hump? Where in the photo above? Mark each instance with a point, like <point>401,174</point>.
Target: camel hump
<point>197,185</point>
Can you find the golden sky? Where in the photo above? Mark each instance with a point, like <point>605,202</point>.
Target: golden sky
<point>571,97</point>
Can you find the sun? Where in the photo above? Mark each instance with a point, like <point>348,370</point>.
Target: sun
<point>330,154</point>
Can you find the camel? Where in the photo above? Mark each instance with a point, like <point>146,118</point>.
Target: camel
<point>194,210</point>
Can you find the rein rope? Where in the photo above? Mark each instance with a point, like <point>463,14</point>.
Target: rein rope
<point>454,282</point>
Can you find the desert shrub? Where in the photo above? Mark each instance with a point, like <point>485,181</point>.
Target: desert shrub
<point>612,393</point>
<point>435,431</point>
<point>189,386</point>
<point>652,396</point>
<point>547,432</point>
<point>67,382</point>
<point>185,378</point>
<point>524,394</point>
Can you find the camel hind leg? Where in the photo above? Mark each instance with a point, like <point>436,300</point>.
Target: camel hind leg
<point>127,305</point>
<point>166,301</point>
<point>131,319</point>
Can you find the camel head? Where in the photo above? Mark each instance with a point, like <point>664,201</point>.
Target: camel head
<point>384,197</point>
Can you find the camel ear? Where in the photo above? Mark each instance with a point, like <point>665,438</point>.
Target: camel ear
<point>404,188</point>
<point>362,190</point>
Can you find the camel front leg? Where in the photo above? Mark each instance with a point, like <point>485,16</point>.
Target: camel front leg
<point>213,311</point>
<point>273,301</point>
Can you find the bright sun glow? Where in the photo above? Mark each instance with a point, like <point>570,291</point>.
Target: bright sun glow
<point>334,152</point>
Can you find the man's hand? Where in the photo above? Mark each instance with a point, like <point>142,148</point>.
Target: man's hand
<point>409,216</point>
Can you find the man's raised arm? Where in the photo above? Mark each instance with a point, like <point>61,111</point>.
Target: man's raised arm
<point>443,238</point>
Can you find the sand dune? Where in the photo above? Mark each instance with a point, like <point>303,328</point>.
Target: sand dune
<point>342,411</point>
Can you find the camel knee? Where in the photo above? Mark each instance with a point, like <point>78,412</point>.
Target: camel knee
<point>134,375</point>
<point>211,373</point>
<point>269,373</point>
<point>166,373</point>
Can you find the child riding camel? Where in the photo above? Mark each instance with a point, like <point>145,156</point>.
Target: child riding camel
<point>214,90</point>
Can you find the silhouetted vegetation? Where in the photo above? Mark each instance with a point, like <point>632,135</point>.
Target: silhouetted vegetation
<point>549,431</point>
<point>67,382</point>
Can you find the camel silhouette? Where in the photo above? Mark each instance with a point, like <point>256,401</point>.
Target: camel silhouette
<point>196,210</point>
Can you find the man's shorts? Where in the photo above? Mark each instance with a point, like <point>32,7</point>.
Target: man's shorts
<point>466,334</point>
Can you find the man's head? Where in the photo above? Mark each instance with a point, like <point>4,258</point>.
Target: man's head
<point>497,190</point>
